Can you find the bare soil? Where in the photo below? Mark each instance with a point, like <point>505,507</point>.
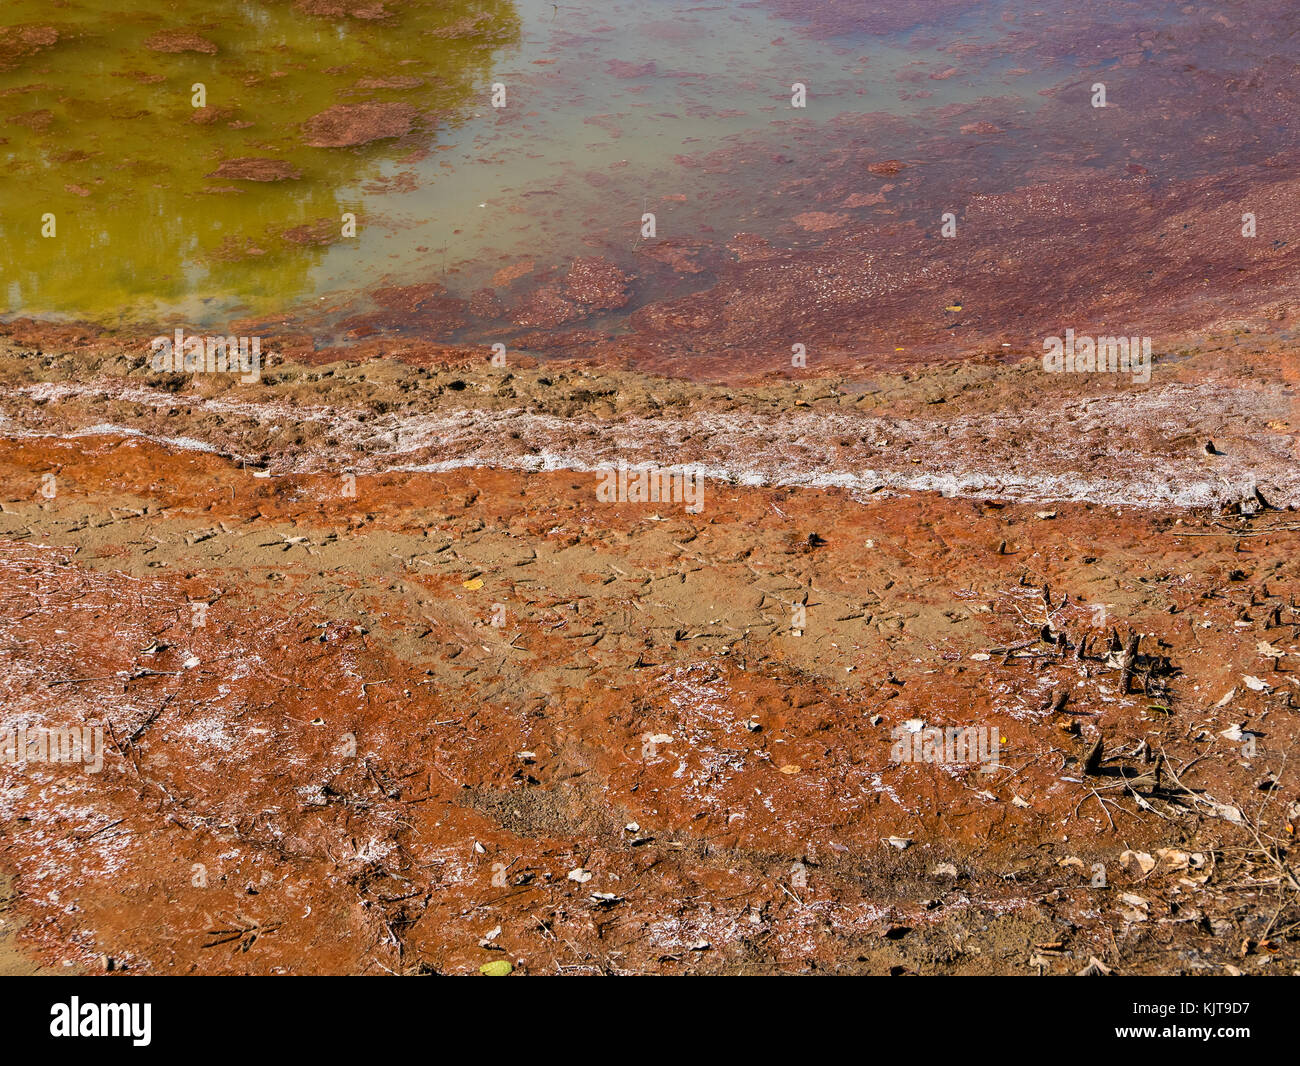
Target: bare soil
<point>446,708</point>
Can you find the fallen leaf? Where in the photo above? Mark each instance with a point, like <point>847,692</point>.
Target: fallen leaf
<point>1227,812</point>
<point>1144,862</point>
<point>1135,909</point>
<point>499,968</point>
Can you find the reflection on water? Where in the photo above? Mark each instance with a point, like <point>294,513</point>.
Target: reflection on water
<point>612,106</point>
<point>151,204</point>
<point>616,107</point>
<point>383,109</point>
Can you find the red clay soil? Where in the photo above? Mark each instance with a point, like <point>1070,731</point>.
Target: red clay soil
<point>432,720</point>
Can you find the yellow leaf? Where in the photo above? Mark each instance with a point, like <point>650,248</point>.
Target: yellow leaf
<point>499,968</point>
<point>474,585</point>
<point>953,307</point>
<point>790,768</point>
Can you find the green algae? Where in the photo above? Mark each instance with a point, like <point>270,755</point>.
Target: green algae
<point>113,199</point>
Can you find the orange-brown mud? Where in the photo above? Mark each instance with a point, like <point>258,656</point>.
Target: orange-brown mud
<point>388,686</point>
<point>438,717</point>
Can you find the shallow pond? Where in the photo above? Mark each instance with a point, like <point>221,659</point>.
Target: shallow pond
<point>122,199</point>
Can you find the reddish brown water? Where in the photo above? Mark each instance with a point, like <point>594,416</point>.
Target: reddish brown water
<point>775,225</point>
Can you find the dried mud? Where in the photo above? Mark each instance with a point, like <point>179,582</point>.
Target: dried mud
<point>439,692</point>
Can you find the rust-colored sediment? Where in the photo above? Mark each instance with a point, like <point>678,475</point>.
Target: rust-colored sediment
<point>358,771</point>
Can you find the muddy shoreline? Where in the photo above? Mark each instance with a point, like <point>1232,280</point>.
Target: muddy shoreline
<point>956,430</point>
<point>360,771</point>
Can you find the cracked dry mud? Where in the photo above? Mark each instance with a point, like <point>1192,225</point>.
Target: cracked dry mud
<point>441,690</point>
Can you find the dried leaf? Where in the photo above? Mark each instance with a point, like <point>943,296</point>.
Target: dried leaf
<point>1144,862</point>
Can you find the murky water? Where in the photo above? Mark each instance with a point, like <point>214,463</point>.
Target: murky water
<point>101,132</point>
<point>121,200</point>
